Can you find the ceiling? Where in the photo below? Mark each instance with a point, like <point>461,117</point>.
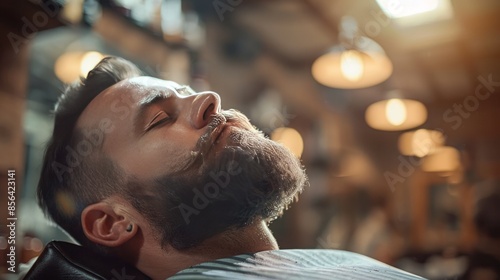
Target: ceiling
<point>257,49</point>
<point>440,64</point>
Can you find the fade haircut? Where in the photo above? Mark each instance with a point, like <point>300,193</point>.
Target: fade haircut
<point>74,173</point>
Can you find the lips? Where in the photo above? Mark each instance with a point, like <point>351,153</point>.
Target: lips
<point>218,134</point>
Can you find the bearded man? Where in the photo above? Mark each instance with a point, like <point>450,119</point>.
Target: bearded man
<point>159,176</point>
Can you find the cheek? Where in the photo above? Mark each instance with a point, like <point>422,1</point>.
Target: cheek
<point>151,162</point>
<point>158,159</point>
<point>161,154</point>
<point>155,154</point>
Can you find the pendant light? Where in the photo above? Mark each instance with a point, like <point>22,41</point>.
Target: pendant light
<point>357,62</point>
<point>395,113</point>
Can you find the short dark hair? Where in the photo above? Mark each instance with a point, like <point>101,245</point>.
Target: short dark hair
<point>70,181</point>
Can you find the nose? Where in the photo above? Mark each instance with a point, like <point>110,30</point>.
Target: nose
<point>204,105</point>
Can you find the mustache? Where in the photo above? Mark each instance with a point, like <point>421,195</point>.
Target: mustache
<point>215,126</point>
<point>213,129</point>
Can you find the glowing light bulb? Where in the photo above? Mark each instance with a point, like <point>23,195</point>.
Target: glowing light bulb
<point>422,143</point>
<point>89,61</point>
<point>351,65</point>
<point>395,111</point>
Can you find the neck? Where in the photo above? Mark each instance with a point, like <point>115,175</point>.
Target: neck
<point>161,263</point>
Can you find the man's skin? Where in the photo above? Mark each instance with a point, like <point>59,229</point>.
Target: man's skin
<point>150,141</point>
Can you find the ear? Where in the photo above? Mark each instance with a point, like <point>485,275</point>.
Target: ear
<point>102,225</point>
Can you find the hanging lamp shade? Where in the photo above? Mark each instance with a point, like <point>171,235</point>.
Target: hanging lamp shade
<point>363,65</point>
<point>395,114</point>
<point>420,142</point>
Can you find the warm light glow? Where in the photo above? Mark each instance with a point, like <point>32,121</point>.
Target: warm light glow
<point>290,138</point>
<point>444,159</point>
<point>420,143</point>
<point>72,65</point>
<point>72,11</point>
<point>67,67</point>
<point>363,65</point>
<point>356,165</point>
<point>89,61</point>
<point>395,114</point>
<point>395,111</point>
<point>351,65</point>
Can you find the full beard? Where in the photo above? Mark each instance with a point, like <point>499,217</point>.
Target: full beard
<point>251,177</point>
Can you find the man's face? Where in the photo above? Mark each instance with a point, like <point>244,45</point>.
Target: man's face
<point>156,126</point>
<point>193,169</point>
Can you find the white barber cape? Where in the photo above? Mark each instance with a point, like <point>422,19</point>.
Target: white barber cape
<point>294,264</point>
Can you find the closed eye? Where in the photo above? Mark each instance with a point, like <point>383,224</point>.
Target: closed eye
<point>160,118</point>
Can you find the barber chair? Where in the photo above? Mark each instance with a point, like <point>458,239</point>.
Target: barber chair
<point>62,260</point>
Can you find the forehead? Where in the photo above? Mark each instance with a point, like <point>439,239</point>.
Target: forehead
<point>122,97</point>
<point>147,82</point>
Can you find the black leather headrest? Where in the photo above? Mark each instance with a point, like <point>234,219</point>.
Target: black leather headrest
<point>62,260</point>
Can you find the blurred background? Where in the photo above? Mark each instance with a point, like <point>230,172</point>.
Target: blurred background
<point>392,106</point>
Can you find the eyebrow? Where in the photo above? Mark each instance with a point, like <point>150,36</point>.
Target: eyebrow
<point>145,103</point>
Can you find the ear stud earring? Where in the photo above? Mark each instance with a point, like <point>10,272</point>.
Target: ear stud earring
<point>129,228</point>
